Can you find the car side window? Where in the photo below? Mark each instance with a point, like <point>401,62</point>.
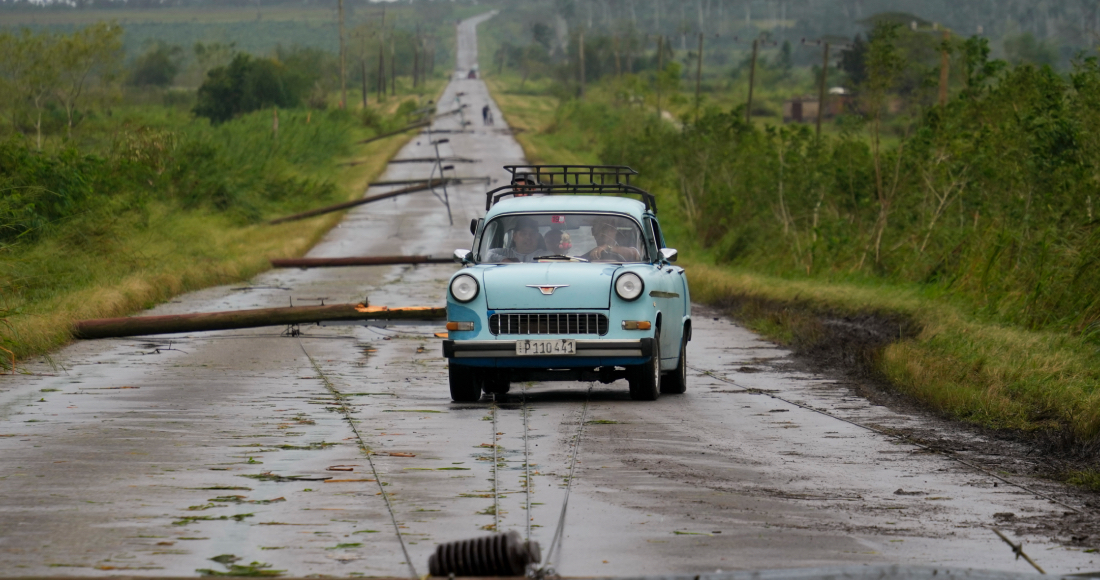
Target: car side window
<point>656,229</point>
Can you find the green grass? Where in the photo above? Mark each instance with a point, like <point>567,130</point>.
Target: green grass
<point>957,362</point>
<point>129,251</point>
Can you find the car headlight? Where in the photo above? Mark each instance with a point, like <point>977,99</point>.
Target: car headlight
<point>629,286</point>
<point>464,288</point>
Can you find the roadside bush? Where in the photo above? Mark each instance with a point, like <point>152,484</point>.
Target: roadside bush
<point>247,84</point>
<point>158,67</point>
<point>994,199</point>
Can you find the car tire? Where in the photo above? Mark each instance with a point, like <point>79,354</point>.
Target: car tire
<point>645,379</point>
<point>675,382</point>
<point>465,384</point>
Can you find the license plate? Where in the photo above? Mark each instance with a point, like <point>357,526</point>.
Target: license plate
<point>562,346</point>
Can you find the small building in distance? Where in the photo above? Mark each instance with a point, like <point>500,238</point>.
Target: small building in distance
<point>804,109</point>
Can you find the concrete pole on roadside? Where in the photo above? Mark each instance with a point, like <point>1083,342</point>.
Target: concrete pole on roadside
<point>381,71</point>
<point>945,64</point>
<point>752,80</point>
<point>822,92</point>
<point>580,42</point>
<point>699,77</point>
<point>660,65</point>
<point>343,61</point>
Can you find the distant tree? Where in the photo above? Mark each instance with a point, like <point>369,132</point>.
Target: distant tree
<point>543,34</point>
<point>158,67</point>
<point>247,84</point>
<point>32,72</point>
<point>1026,49</point>
<point>214,54</point>
<point>94,51</point>
<point>851,61</point>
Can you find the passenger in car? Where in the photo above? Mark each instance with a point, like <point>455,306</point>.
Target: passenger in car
<point>558,242</point>
<point>608,248</point>
<point>527,244</point>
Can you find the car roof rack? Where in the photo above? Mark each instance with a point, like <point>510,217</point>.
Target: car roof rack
<point>570,179</point>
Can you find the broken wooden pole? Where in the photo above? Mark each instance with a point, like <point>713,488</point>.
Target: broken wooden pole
<point>397,132</point>
<point>209,321</point>
<point>433,160</point>
<point>357,261</point>
<point>419,186</point>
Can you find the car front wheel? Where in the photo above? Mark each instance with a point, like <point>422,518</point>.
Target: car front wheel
<point>675,383</point>
<point>645,379</point>
<point>465,386</point>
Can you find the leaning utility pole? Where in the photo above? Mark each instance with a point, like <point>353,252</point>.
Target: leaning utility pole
<point>343,62</point>
<point>752,80</point>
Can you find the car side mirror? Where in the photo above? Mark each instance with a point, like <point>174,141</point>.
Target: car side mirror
<point>668,254</point>
<point>473,226</point>
<point>462,256</point>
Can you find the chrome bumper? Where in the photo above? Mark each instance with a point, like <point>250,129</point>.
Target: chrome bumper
<point>642,347</point>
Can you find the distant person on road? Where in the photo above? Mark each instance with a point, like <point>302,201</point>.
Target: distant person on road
<point>486,112</point>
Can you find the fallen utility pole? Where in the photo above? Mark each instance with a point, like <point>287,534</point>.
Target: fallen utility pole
<point>209,321</point>
<point>436,181</point>
<point>420,186</point>
<point>357,261</point>
<point>397,132</point>
<point>433,160</point>
<point>416,125</point>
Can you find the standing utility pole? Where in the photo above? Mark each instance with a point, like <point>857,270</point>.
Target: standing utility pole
<point>363,64</point>
<point>381,70</point>
<point>752,80</point>
<point>945,64</point>
<point>698,77</point>
<point>416,58</point>
<point>580,41</point>
<point>660,66</point>
<point>822,92</point>
<point>393,64</point>
<point>343,62</point>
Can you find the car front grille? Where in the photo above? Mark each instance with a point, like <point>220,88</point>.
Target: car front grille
<point>549,323</point>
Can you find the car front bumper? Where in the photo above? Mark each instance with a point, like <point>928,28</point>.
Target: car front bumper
<point>590,353</point>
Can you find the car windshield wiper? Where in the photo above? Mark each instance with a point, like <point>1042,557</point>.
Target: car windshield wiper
<point>563,257</point>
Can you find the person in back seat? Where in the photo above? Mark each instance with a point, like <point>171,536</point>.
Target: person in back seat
<point>527,244</point>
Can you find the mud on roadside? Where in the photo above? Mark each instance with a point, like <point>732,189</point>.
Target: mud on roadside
<point>848,348</point>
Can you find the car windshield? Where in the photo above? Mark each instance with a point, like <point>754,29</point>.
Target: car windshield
<point>546,237</point>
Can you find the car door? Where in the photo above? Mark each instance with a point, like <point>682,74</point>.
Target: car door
<point>669,297</point>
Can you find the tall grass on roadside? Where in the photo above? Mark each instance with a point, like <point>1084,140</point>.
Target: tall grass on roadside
<point>151,209</point>
<point>998,376</point>
<point>990,349</point>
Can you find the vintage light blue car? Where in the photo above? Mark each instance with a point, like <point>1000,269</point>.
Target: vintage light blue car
<point>568,279</point>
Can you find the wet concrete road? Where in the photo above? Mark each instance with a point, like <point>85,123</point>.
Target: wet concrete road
<point>153,456</point>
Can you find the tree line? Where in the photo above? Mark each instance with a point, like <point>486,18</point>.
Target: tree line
<point>41,69</point>
<point>993,196</point>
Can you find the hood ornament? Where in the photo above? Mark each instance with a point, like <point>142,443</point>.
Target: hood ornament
<point>547,289</point>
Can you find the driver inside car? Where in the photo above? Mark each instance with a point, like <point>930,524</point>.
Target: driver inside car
<point>607,247</point>
<point>527,244</point>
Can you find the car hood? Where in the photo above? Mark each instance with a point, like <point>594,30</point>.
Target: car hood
<point>582,286</point>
